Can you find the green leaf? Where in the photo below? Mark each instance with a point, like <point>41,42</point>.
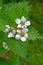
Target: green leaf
<point>11,11</point>
<point>18,47</point>
<point>2,50</point>
<point>33,33</point>
<point>8,14</point>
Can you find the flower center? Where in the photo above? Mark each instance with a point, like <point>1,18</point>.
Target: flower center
<point>22,22</point>
<point>11,28</point>
<point>22,34</point>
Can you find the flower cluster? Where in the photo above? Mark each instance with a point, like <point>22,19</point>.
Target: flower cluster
<point>10,30</point>
<point>5,46</point>
<point>21,32</point>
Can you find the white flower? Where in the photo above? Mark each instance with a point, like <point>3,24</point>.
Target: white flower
<point>23,19</point>
<point>24,30</point>
<point>27,23</point>
<point>17,36</point>
<point>10,35</point>
<point>0,8</point>
<point>5,45</point>
<point>22,22</point>
<point>23,39</point>
<point>18,21</point>
<point>18,31</point>
<point>13,31</point>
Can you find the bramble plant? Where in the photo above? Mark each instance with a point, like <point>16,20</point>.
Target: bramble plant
<point>15,32</point>
<point>21,31</point>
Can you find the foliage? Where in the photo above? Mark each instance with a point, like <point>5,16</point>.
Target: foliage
<point>21,53</point>
<point>10,12</point>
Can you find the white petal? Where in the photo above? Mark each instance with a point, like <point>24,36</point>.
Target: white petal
<point>0,8</point>
<point>3,46</point>
<point>27,23</point>
<point>18,31</point>
<point>14,31</point>
<point>23,19</point>
<point>4,43</point>
<point>7,26</point>
<point>19,26</point>
<point>24,30</point>
<point>18,21</point>
<point>17,36</point>
<point>26,35</point>
<point>6,30</point>
<point>10,35</point>
<point>23,39</point>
